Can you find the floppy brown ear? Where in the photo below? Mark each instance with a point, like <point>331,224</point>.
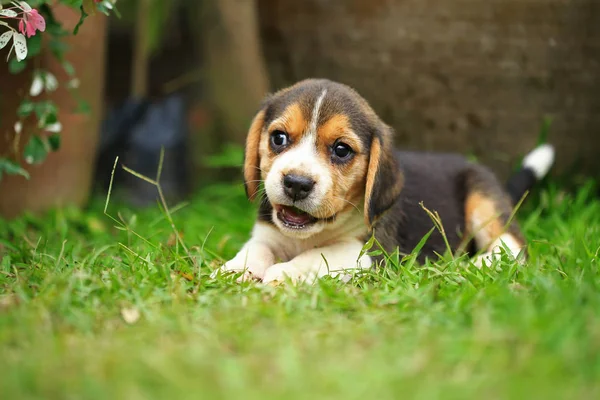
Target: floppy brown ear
<point>384,178</point>
<point>252,156</point>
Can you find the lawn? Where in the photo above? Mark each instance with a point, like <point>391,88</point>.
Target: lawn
<point>90,310</point>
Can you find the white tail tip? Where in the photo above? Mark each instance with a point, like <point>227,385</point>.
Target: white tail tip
<point>540,160</point>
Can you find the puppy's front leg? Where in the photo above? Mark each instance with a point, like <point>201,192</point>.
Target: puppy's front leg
<point>314,263</point>
<point>258,254</point>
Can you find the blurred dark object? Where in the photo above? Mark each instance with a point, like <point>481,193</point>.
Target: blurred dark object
<point>138,129</point>
<point>136,132</point>
<point>114,137</point>
<point>207,52</point>
<point>520,183</point>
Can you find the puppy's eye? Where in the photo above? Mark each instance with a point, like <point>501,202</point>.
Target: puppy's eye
<point>342,151</point>
<point>279,140</point>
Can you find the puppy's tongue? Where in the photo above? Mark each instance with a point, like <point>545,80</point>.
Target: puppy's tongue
<point>295,216</point>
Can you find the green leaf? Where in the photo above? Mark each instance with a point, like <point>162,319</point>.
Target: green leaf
<point>107,11</point>
<point>54,141</point>
<point>36,150</point>
<point>49,119</point>
<point>11,168</point>
<point>25,108</point>
<point>15,66</point>
<point>83,107</point>
<point>69,69</point>
<point>46,112</point>
<point>89,6</point>
<point>116,11</point>
<point>415,252</point>
<point>58,48</point>
<point>34,45</point>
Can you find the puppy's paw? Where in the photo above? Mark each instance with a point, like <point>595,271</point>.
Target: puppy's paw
<point>249,272</point>
<point>506,245</point>
<point>251,261</point>
<point>280,273</point>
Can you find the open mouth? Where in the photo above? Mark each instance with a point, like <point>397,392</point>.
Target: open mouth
<point>294,218</point>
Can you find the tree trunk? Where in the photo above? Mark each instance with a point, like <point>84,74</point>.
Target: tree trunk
<point>235,73</point>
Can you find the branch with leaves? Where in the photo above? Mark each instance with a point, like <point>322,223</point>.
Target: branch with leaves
<point>22,24</point>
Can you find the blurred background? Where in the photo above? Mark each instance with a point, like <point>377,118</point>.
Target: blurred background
<point>487,78</point>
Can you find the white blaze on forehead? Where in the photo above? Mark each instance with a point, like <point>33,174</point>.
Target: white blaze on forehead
<point>302,158</point>
<point>305,156</point>
<point>315,113</point>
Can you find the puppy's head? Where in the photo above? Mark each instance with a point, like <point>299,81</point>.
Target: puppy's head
<point>322,154</point>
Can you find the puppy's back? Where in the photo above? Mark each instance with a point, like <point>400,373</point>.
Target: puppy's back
<point>437,181</point>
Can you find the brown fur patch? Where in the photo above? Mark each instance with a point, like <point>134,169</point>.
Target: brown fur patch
<point>356,193</point>
<point>291,121</point>
<point>384,179</point>
<point>252,174</point>
<point>267,157</point>
<point>374,160</point>
<point>482,219</point>
<point>337,127</point>
<point>360,168</point>
<point>348,185</point>
<point>348,179</point>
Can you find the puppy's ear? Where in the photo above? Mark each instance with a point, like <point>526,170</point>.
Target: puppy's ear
<point>252,156</point>
<point>384,178</point>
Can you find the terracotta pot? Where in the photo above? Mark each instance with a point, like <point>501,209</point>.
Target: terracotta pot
<point>64,178</point>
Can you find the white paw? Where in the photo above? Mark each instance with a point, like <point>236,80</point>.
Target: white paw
<point>280,273</point>
<point>249,271</point>
<point>506,244</point>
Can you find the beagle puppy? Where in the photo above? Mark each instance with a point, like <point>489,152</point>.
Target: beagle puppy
<point>323,167</point>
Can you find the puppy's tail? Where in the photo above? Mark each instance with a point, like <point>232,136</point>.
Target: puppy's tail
<point>535,167</point>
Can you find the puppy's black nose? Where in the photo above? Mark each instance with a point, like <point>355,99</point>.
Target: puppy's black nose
<point>297,187</point>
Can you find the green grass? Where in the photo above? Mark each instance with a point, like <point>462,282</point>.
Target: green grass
<point>441,330</point>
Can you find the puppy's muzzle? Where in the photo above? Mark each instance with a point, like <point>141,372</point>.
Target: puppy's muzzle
<point>297,187</point>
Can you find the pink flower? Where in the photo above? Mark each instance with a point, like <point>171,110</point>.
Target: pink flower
<point>30,22</point>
